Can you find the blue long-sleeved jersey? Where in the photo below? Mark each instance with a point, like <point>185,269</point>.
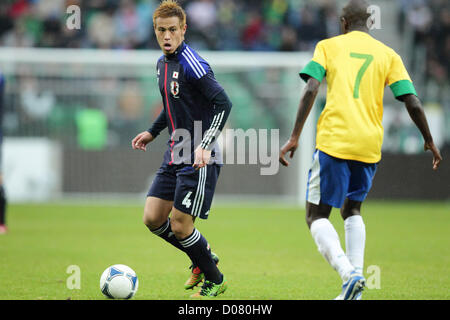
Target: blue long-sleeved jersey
<point>195,104</point>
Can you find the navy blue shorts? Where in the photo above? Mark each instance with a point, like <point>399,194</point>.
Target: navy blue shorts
<point>331,180</point>
<point>190,190</point>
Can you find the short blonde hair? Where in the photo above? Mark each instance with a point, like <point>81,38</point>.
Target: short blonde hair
<point>167,9</point>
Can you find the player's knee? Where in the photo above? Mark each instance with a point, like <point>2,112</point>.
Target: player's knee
<point>309,219</point>
<point>179,228</point>
<point>345,213</point>
<point>350,208</point>
<point>147,221</point>
<point>315,212</point>
<point>151,220</point>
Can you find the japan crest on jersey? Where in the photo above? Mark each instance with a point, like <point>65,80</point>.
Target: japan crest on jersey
<point>175,89</point>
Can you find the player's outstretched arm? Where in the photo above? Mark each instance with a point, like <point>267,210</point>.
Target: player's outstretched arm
<point>415,110</point>
<point>306,103</point>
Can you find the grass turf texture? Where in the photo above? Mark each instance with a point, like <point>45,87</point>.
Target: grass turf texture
<point>265,252</point>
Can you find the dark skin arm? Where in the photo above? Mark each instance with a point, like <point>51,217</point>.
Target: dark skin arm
<point>415,110</point>
<point>306,103</point>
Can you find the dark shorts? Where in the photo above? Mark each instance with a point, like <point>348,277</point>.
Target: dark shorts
<point>190,190</point>
<point>331,180</point>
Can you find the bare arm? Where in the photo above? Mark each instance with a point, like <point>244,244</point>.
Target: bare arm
<point>415,110</point>
<point>306,103</point>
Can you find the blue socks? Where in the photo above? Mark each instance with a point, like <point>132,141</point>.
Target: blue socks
<point>166,233</point>
<point>197,248</point>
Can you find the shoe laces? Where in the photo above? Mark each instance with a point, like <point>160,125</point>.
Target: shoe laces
<point>206,288</point>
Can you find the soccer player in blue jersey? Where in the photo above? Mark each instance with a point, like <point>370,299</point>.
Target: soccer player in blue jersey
<point>3,228</point>
<point>184,185</point>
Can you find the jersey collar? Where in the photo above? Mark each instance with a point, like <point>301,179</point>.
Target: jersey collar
<point>177,52</point>
<point>359,32</point>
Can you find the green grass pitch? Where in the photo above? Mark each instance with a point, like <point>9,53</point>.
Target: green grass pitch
<point>266,253</point>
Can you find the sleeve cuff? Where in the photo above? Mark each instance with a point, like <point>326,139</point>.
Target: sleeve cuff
<point>313,69</point>
<point>402,87</point>
<point>153,133</point>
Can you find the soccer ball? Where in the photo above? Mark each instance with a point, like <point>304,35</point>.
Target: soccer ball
<point>119,282</point>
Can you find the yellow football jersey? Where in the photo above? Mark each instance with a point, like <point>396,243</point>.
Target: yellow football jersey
<point>357,69</point>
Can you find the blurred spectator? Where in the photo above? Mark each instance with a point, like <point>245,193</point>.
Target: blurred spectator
<point>202,14</point>
<point>128,31</point>
<point>6,21</point>
<point>420,18</point>
<point>285,25</point>
<point>429,21</point>
<point>51,34</point>
<point>331,17</point>
<point>202,20</point>
<point>101,30</point>
<point>311,28</point>
<point>288,39</point>
<point>253,33</point>
<point>18,36</point>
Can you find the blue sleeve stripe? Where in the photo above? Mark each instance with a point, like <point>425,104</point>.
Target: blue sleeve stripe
<point>194,63</point>
<point>192,67</point>
<point>195,59</point>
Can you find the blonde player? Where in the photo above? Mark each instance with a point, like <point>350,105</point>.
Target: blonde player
<point>349,136</point>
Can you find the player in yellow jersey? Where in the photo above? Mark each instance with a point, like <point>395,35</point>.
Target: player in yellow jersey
<point>349,136</point>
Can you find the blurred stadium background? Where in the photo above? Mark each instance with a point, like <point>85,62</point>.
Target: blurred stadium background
<point>75,98</point>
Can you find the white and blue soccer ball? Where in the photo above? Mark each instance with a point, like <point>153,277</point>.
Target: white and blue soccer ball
<point>119,282</point>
